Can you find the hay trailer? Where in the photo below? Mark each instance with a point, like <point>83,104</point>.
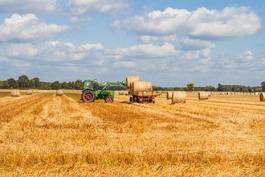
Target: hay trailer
<point>94,90</point>
<point>140,91</point>
<point>143,96</point>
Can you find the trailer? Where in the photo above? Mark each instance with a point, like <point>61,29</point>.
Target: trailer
<point>145,96</point>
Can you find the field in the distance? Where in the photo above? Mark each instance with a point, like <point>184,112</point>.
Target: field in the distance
<point>47,135</point>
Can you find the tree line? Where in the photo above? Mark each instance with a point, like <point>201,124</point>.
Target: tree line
<point>219,88</point>
<point>24,82</point>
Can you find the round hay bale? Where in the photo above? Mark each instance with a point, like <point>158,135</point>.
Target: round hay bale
<point>15,93</point>
<point>169,95</point>
<point>29,92</point>
<point>59,93</point>
<point>203,95</point>
<point>141,86</point>
<point>262,96</point>
<point>179,97</point>
<point>130,80</point>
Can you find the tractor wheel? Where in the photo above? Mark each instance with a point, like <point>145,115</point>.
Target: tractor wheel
<point>88,96</point>
<point>109,99</point>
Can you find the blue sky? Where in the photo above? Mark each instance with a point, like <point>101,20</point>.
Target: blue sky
<point>170,43</point>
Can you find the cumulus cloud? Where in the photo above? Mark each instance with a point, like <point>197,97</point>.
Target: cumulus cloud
<point>52,51</point>
<point>27,27</point>
<point>27,5</point>
<point>201,23</point>
<point>146,51</point>
<point>79,7</point>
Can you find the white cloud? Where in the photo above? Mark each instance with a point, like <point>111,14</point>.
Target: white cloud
<point>21,51</point>
<point>247,56</point>
<point>62,51</point>
<point>147,51</point>
<point>181,42</point>
<point>79,7</point>
<point>200,23</point>
<point>27,27</point>
<point>27,5</point>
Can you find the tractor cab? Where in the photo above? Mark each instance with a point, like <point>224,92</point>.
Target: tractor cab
<point>99,90</point>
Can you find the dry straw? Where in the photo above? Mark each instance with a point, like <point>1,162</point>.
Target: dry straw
<point>29,92</point>
<point>169,95</point>
<point>15,93</point>
<point>130,80</point>
<point>203,95</point>
<point>262,96</point>
<point>179,97</point>
<point>59,93</point>
<point>141,86</point>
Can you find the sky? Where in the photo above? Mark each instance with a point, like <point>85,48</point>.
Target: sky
<point>168,42</point>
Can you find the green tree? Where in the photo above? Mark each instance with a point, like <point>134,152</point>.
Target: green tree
<point>35,82</point>
<point>220,87</point>
<point>56,85</point>
<point>1,84</point>
<point>78,85</point>
<point>12,83</point>
<point>263,86</point>
<point>190,87</point>
<point>23,81</point>
<point>209,88</point>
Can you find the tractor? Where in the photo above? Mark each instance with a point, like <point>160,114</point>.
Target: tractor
<point>94,90</point>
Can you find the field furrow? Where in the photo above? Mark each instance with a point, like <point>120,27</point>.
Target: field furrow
<point>53,135</point>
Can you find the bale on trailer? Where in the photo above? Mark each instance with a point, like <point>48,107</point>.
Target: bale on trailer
<point>15,93</point>
<point>262,96</point>
<point>59,93</point>
<point>169,95</point>
<point>203,95</point>
<point>130,80</point>
<point>179,97</point>
<point>29,92</point>
<point>141,86</point>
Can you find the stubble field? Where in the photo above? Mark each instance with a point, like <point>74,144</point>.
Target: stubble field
<point>47,135</point>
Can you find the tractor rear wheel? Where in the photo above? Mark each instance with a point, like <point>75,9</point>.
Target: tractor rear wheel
<point>109,99</point>
<point>88,96</point>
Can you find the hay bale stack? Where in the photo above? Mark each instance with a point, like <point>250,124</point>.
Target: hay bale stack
<point>203,95</point>
<point>179,97</point>
<point>130,80</point>
<point>29,92</point>
<point>262,96</point>
<point>15,93</point>
<point>141,86</point>
<point>59,93</point>
<point>169,95</point>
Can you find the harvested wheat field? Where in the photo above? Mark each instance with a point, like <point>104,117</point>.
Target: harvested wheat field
<point>48,135</point>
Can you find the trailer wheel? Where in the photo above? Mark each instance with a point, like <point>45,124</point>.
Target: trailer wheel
<point>88,96</point>
<point>109,99</point>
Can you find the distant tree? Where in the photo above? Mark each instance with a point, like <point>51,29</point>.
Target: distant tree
<point>263,86</point>
<point>23,82</point>
<point>78,85</point>
<point>12,83</point>
<point>1,84</point>
<point>55,85</point>
<point>190,87</point>
<point>5,85</point>
<point>35,82</point>
<point>220,87</point>
<point>64,85</point>
<point>209,88</point>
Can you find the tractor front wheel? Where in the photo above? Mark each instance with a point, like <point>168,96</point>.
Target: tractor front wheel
<point>88,96</point>
<point>109,99</point>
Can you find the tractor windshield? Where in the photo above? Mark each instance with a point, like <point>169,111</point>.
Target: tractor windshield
<point>89,85</point>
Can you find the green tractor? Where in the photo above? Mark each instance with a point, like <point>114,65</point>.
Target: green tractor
<point>94,90</point>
